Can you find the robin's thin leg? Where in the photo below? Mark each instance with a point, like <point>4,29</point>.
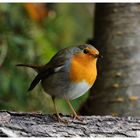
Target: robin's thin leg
<point>74,113</point>
<point>58,116</point>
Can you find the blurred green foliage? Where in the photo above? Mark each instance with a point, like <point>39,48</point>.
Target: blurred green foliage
<point>24,40</point>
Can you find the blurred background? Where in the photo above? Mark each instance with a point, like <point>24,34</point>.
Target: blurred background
<point>32,33</point>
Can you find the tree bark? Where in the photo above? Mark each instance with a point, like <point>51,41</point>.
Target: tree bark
<point>117,36</point>
<point>13,124</point>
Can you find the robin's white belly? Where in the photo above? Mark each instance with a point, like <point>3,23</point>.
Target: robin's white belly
<point>77,89</point>
<point>65,90</point>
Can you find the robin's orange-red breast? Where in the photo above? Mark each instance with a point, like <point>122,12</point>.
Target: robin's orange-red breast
<point>68,75</point>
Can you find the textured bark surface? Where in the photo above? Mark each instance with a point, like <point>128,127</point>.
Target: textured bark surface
<point>117,35</point>
<point>14,124</point>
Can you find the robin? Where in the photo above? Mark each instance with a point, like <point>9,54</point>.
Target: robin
<point>68,75</point>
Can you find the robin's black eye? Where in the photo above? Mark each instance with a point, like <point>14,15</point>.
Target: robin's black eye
<point>86,51</point>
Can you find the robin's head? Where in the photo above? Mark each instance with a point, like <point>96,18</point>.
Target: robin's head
<point>85,54</point>
<point>86,51</point>
<point>89,51</point>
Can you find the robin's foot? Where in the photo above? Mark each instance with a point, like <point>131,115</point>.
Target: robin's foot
<point>77,117</point>
<point>59,119</point>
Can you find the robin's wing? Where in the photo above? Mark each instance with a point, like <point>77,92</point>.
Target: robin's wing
<point>56,63</point>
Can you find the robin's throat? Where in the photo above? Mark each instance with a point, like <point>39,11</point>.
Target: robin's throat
<point>82,69</point>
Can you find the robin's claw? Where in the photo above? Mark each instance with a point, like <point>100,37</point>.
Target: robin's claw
<point>59,119</point>
<point>78,118</point>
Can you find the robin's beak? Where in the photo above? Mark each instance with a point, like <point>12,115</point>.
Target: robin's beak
<point>97,56</point>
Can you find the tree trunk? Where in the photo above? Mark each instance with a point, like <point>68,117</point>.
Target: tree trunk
<point>117,36</point>
<point>13,124</point>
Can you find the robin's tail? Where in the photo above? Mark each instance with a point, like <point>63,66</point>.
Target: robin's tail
<point>37,68</point>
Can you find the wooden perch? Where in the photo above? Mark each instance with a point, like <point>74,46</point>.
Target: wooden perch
<point>16,124</point>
